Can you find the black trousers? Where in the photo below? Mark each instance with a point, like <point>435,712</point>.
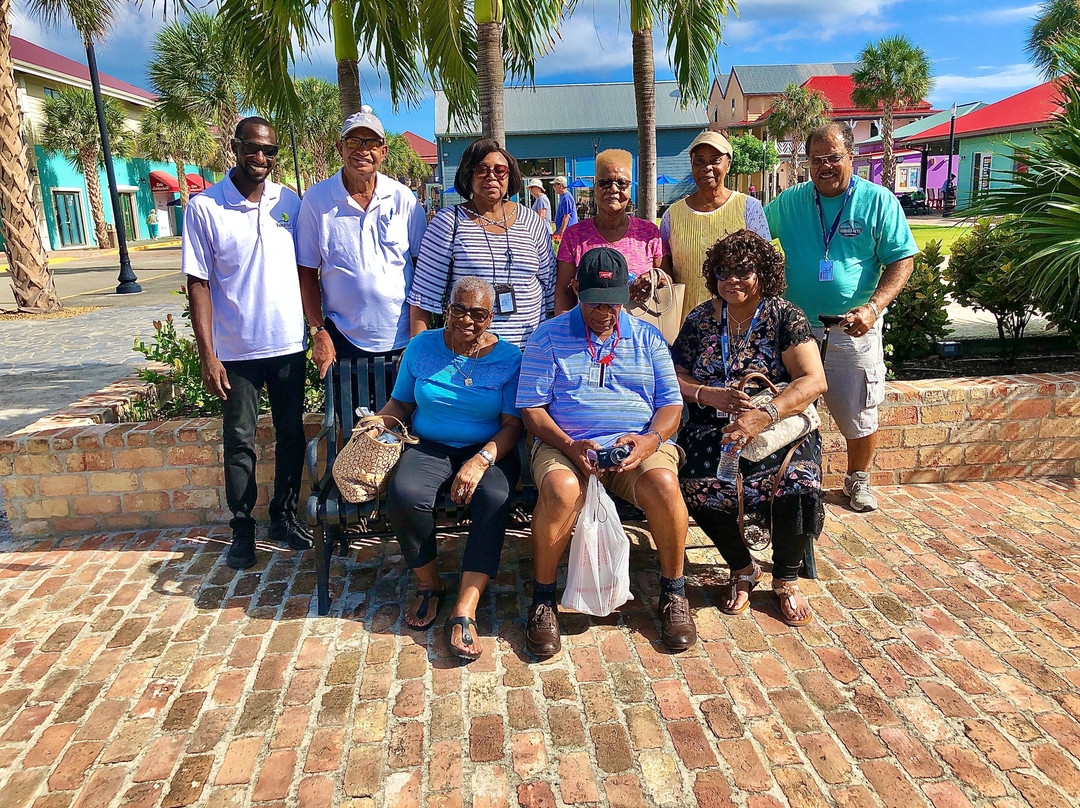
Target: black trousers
<point>346,350</point>
<point>795,524</point>
<point>283,377</point>
<point>422,473</point>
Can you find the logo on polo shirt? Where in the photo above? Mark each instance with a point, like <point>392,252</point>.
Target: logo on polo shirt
<point>850,228</point>
<point>283,221</point>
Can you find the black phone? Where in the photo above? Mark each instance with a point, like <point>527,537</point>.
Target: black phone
<point>829,320</point>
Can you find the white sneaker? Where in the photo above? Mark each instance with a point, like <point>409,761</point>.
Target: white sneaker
<point>857,487</point>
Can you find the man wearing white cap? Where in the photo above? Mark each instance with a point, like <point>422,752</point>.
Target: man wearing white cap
<point>566,212</point>
<point>541,204</point>
<point>358,235</point>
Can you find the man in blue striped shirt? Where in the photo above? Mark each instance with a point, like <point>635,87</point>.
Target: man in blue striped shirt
<point>592,378</point>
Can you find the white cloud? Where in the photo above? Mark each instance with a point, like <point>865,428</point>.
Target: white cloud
<point>1008,77</point>
<point>997,16</point>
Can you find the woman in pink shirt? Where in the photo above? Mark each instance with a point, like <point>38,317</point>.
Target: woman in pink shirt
<point>638,240</point>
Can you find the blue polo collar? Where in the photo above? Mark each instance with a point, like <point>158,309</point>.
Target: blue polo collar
<point>580,330</point>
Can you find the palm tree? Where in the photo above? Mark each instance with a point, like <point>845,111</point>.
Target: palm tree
<point>71,129</point>
<point>163,136</point>
<point>28,264</point>
<point>403,161</point>
<point>795,113</point>
<point>197,72</point>
<point>1056,19</point>
<point>695,32</point>
<point>892,73</point>
<point>316,126</point>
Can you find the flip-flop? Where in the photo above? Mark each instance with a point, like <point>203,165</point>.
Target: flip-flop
<point>731,589</point>
<point>466,637</point>
<point>787,592</point>
<point>422,612</point>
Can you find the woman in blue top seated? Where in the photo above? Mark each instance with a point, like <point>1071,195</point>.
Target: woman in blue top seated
<point>458,384</point>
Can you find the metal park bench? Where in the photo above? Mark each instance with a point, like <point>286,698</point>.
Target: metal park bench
<point>351,383</point>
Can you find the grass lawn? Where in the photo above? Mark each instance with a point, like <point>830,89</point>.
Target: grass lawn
<point>947,234</point>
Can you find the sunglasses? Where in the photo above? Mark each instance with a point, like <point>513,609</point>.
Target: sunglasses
<point>830,159</point>
<point>724,273</point>
<point>476,314</point>
<point>612,306</point>
<point>362,143</point>
<point>622,185</point>
<point>499,172</point>
<point>250,148</point>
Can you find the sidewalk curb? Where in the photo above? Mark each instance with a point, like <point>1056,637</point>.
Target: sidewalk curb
<point>62,259</point>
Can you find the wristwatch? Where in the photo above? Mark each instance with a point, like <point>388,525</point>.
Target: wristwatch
<point>488,456</point>
<point>315,329</point>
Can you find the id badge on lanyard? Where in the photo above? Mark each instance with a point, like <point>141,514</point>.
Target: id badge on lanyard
<point>825,265</point>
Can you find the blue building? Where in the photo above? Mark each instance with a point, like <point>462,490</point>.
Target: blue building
<point>558,129</point>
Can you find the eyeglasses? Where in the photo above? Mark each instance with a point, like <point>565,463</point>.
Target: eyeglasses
<point>725,273</point>
<point>476,314</point>
<point>362,143</point>
<point>701,162</point>
<point>622,185</point>
<point>483,170</point>
<point>612,306</point>
<point>250,148</point>
<point>830,159</point>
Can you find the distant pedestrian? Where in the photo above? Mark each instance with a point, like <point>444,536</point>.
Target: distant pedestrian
<point>240,260</point>
<point>566,213</point>
<point>849,252</point>
<point>152,223</point>
<point>357,239</point>
<point>541,205</point>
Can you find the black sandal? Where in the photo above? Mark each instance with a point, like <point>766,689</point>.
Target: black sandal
<point>422,612</point>
<point>466,637</point>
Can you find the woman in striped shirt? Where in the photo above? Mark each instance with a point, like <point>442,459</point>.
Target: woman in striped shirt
<point>492,238</point>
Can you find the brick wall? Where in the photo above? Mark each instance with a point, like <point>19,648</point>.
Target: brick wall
<point>84,473</point>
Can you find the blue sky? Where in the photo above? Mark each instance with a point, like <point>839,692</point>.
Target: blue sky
<point>976,46</point>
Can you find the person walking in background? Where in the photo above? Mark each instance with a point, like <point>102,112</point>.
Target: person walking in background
<point>357,237</point>
<point>566,213</point>
<point>541,205</point>
<point>692,225</point>
<point>152,223</point>
<point>239,256</point>
<point>492,238</point>
<point>849,252</point>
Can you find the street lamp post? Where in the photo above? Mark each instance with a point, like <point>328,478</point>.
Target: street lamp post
<point>595,151</point>
<point>764,144</point>
<point>295,161</point>
<point>127,283</point>
<point>948,203</point>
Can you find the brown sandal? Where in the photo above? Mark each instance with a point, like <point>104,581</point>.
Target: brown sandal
<point>732,590</point>
<point>785,593</point>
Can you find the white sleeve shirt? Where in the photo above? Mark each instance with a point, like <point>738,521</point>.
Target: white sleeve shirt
<point>365,258</point>
<point>245,250</point>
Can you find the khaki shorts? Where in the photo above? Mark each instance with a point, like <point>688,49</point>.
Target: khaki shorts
<point>855,370</point>
<point>547,458</point>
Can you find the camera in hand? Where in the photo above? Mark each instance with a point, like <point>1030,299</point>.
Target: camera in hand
<point>612,456</point>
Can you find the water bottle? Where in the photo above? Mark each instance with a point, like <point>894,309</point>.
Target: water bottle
<point>728,468</point>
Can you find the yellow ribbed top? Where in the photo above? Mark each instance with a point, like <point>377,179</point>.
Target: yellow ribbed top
<point>692,233</point>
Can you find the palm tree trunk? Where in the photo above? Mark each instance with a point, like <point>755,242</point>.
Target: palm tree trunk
<point>793,175</point>
<point>491,75</point>
<point>181,180</point>
<point>645,102</point>
<point>888,165</point>
<point>226,127</point>
<point>28,265</point>
<point>89,162</point>
<point>319,158</point>
<point>345,52</point>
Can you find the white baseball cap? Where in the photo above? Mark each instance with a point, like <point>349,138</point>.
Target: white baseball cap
<point>559,181</point>
<point>362,120</point>
<point>535,183</point>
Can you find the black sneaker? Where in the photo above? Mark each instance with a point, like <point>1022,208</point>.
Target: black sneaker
<point>290,532</point>
<point>242,550</point>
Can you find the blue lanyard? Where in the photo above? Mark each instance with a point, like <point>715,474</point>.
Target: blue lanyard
<point>821,215</point>
<point>729,364</point>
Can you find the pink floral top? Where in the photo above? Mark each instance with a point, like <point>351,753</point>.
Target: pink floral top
<point>641,246</point>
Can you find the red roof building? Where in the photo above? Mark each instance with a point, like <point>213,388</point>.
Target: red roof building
<point>838,90</point>
<point>427,150</point>
<point>36,60</point>
<point>1024,110</point>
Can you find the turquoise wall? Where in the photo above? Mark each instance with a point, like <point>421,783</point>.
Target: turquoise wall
<point>56,171</point>
<point>1000,150</point>
<point>672,154</point>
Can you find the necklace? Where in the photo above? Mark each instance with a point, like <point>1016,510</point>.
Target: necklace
<point>496,222</point>
<point>740,325</point>
<point>473,355</point>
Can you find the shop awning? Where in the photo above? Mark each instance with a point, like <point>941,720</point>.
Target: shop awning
<point>195,183</point>
<point>163,182</point>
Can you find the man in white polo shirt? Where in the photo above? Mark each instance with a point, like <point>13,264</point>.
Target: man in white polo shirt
<point>357,237</point>
<point>240,261</point>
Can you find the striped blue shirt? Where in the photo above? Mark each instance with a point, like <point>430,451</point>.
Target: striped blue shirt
<point>640,379</point>
<point>521,257</point>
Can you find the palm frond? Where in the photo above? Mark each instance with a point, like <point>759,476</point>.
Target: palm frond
<point>90,17</point>
<point>695,34</point>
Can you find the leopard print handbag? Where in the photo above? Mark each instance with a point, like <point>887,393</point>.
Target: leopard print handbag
<point>364,465</point>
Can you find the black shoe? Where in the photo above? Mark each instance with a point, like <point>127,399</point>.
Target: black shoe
<point>241,554</point>
<point>542,631</point>
<point>289,531</point>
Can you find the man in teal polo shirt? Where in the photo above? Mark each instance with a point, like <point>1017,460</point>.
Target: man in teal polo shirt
<point>849,253</point>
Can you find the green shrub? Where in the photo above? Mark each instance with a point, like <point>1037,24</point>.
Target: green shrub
<point>983,274</point>
<point>917,319</point>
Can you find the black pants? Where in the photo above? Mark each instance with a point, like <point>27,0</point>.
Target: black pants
<point>284,380</point>
<point>795,524</point>
<point>422,473</point>
<point>346,350</point>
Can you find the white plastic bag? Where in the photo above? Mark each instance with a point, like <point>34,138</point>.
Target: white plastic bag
<point>598,580</point>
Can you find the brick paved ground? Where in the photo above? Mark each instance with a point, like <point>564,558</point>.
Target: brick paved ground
<point>137,670</point>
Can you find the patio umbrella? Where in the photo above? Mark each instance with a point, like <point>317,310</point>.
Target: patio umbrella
<point>580,183</point>
<point>664,179</point>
